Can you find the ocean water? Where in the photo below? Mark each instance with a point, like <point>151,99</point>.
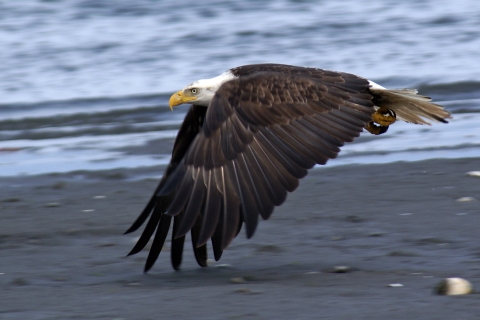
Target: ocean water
<point>82,81</point>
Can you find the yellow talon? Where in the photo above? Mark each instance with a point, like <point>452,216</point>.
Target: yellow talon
<point>375,129</point>
<point>384,117</point>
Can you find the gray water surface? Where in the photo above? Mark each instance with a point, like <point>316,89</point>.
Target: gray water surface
<point>80,81</point>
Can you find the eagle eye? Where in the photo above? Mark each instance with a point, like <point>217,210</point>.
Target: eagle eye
<point>194,90</point>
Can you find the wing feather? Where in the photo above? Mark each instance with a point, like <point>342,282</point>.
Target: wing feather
<point>176,250</point>
<point>256,184</point>
<point>345,126</point>
<point>249,208</point>
<point>326,144</point>
<point>298,142</point>
<point>200,251</point>
<point>150,228</point>
<point>217,237</point>
<point>183,192</point>
<point>211,212</point>
<point>334,129</point>
<point>282,153</point>
<point>158,241</point>
<point>195,202</point>
<point>275,162</point>
<point>163,195</point>
<point>264,178</point>
<point>312,142</point>
<point>231,210</point>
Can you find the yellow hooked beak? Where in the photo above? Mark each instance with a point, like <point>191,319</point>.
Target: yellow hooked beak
<point>179,98</point>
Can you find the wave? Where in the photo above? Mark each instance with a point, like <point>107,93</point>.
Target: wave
<point>81,106</point>
<point>453,91</point>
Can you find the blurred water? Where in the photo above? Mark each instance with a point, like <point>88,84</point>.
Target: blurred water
<point>81,79</point>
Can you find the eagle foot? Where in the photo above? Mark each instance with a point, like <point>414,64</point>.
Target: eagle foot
<point>384,117</point>
<point>375,129</point>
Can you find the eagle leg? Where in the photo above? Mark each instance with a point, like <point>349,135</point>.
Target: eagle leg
<point>373,128</point>
<point>382,118</point>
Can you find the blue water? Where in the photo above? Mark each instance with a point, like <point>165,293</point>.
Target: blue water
<point>82,80</point>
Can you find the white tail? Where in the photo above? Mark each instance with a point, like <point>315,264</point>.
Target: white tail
<point>409,105</point>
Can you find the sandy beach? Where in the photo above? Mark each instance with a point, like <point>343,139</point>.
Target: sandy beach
<point>63,252</point>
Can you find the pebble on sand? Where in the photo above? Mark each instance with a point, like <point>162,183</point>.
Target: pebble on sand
<point>52,204</point>
<point>454,286</point>
<point>238,280</point>
<point>473,174</point>
<point>466,199</point>
<point>222,265</point>
<point>246,290</point>
<point>340,269</point>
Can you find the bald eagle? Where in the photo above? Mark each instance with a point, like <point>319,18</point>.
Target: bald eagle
<point>249,136</point>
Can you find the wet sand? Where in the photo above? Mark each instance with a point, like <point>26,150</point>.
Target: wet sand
<point>62,252</point>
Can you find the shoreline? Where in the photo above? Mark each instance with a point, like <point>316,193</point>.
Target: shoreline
<point>63,253</point>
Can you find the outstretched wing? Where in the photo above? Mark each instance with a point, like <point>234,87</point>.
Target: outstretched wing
<point>157,205</point>
<point>260,135</point>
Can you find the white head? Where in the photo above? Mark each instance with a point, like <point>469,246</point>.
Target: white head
<point>200,92</point>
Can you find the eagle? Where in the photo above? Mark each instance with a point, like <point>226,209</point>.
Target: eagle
<point>249,136</point>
